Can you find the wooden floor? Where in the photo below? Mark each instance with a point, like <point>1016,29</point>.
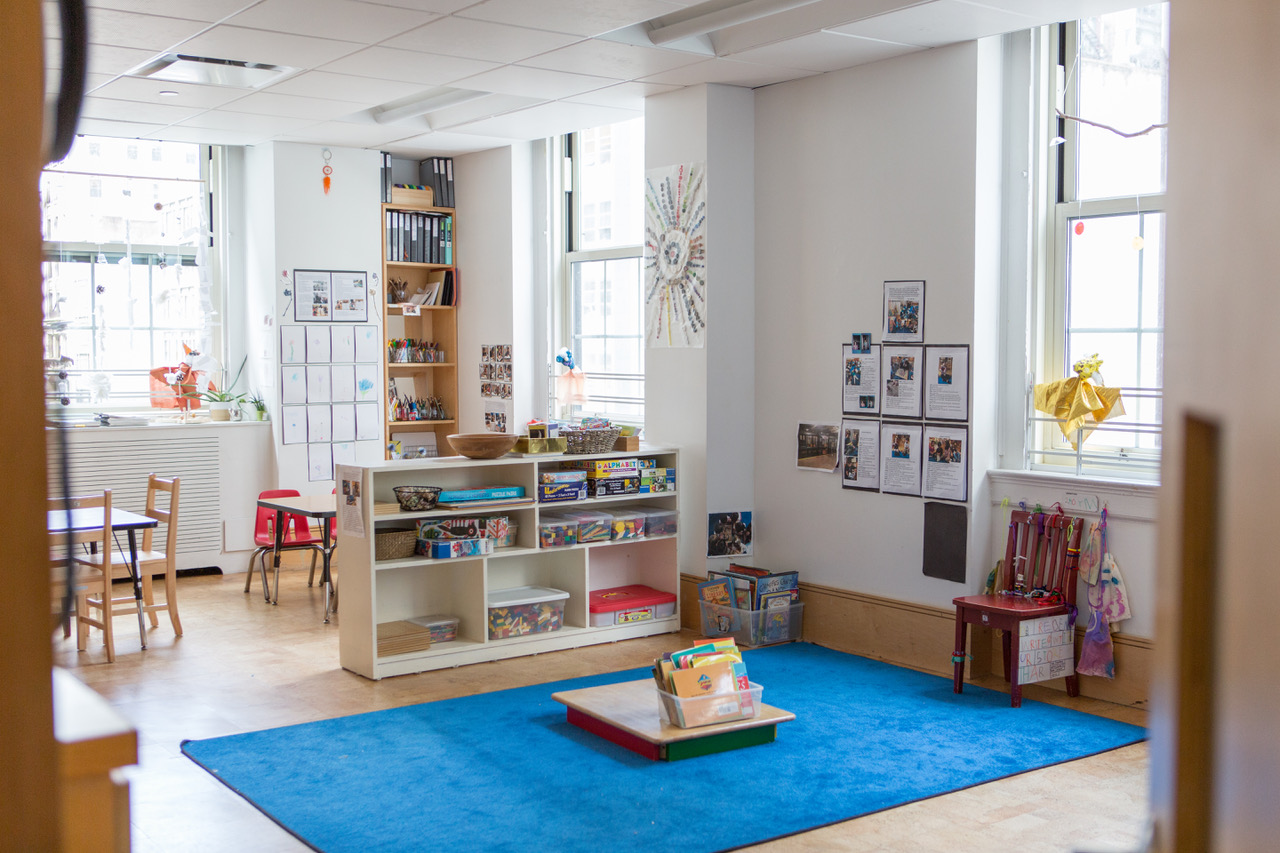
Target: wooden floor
<point>245,665</point>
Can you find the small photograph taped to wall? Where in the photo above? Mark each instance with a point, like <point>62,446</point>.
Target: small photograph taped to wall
<point>728,534</point>
<point>817,447</point>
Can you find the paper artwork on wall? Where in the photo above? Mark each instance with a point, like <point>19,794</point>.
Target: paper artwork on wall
<point>344,422</point>
<point>946,462</point>
<point>343,379</point>
<point>293,384</point>
<point>319,424</point>
<point>319,462</point>
<point>343,347</point>
<point>860,369</point>
<point>903,312</point>
<point>946,376</point>
<point>293,344</point>
<point>319,389</point>
<point>900,454</point>
<point>901,380</point>
<point>728,534</point>
<point>860,452</point>
<point>496,386</point>
<point>293,424</point>
<point>675,256</point>
<point>318,345</point>
<point>368,426</point>
<point>366,383</point>
<point>368,346</point>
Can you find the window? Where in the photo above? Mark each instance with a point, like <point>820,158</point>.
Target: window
<point>600,312</point>
<point>1104,278</point>
<point>124,288</point>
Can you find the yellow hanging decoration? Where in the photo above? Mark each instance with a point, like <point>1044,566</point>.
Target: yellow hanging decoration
<point>1078,402</point>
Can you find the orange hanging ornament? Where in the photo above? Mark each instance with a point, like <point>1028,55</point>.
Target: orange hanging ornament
<point>328,170</point>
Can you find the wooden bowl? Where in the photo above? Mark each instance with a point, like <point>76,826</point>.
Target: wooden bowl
<point>482,445</point>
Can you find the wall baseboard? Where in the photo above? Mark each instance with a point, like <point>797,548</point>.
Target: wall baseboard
<point>922,637</point>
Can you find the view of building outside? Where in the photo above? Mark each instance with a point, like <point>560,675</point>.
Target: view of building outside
<point>126,235</point>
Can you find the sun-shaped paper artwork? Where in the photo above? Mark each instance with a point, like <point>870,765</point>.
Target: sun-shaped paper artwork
<point>675,256</point>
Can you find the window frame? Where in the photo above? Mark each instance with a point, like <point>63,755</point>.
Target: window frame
<point>562,303</point>
<point>1045,449</point>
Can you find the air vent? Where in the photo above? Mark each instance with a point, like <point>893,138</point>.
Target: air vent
<point>181,68</point>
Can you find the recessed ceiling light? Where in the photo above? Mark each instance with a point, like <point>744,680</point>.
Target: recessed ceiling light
<point>168,93</point>
<point>181,68</point>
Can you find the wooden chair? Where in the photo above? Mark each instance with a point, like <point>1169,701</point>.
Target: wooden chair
<point>297,536</point>
<point>1037,579</point>
<point>152,561</point>
<point>92,585</point>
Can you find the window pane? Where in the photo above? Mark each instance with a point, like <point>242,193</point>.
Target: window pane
<point>1152,260</point>
<point>607,340</point>
<point>1103,272</point>
<point>611,185</point>
<point>1123,68</point>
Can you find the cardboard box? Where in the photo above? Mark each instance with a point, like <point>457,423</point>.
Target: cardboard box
<point>552,477</point>
<point>444,549</point>
<point>600,466</point>
<point>609,486</point>
<point>550,493</point>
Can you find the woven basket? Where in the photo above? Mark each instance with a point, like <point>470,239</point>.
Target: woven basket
<point>394,544</point>
<point>598,440</point>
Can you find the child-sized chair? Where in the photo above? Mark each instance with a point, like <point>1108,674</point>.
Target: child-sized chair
<point>297,536</point>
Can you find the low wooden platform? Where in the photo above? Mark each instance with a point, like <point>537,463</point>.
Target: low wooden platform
<point>627,714</point>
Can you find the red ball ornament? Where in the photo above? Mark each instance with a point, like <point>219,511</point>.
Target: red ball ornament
<point>1079,228</point>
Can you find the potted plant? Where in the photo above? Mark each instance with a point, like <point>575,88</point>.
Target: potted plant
<point>221,402</point>
<point>257,406</point>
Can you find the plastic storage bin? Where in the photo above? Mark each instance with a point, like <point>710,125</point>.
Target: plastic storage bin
<point>660,522</point>
<point>443,628</point>
<point>753,627</point>
<point>693,711</point>
<point>555,531</point>
<point>525,610</point>
<point>592,526</point>
<point>628,524</point>
<point>622,605</point>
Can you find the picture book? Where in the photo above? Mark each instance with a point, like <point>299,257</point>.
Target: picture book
<point>708,694</point>
<point>717,599</point>
<point>741,587</point>
<point>765,582</point>
<point>775,616</point>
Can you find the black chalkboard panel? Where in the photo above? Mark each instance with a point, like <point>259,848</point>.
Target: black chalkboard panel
<point>946,539</point>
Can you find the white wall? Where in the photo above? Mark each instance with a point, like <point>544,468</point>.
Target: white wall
<point>702,399</point>
<point>293,224</point>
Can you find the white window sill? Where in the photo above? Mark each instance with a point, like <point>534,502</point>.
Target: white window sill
<point>1123,498</point>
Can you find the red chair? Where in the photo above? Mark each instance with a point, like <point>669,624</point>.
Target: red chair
<point>1036,579</point>
<point>297,537</point>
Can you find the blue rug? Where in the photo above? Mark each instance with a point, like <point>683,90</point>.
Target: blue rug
<point>504,772</point>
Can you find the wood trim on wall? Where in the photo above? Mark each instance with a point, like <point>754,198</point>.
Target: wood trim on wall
<point>921,637</point>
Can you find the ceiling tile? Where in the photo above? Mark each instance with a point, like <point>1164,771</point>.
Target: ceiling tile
<point>824,52</point>
<point>145,32</point>
<point>192,10</point>
<point>333,19</point>
<point>367,91</point>
<point>480,40</point>
<point>214,136</point>
<point>272,103</point>
<point>189,94</point>
<point>346,133</point>
<point>731,72</point>
<point>627,96</point>
<point>426,69</point>
<point>612,59</point>
<point>937,23</point>
<point>578,17</point>
<point>248,45</point>
<point>263,126</point>
<point>440,7</point>
<point>535,82</point>
<point>136,111</point>
<point>116,60</point>
<point>546,120</point>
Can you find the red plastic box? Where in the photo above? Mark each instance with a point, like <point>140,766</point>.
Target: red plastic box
<point>622,605</point>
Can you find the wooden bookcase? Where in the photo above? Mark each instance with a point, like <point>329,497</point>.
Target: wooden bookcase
<point>376,591</point>
<point>436,323</point>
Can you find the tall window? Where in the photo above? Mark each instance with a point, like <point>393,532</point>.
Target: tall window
<point>124,282</point>
<point>1105,286</point>
<point>601,312</point>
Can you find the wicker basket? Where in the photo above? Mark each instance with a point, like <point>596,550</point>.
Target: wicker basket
<point>597,440</point>
<point>394,544</point>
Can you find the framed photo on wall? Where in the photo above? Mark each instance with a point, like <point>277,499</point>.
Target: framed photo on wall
<point>903,312</point>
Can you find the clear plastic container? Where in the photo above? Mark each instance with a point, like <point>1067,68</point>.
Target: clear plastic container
<point>525,610</point>
<point>660,522</point>
<point>443,629</point>
<point>593,526</point>
<point>689,712</point>
<point>556,531</point>
<point>627,524</point>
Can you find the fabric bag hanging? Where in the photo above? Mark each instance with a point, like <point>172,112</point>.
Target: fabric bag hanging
<point>1097,657</point>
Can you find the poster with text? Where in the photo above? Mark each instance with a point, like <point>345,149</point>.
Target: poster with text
<point>946,383</point>
<point>350,499</point>
<point>860,454</point>
<point>901,371</point>
<point>312,295</point>
<point>900,455</point>
<point>350,297</point>
<point>675,256</point>
<point>861,382</point>
<point>903,312</point>
<point>946,462</point>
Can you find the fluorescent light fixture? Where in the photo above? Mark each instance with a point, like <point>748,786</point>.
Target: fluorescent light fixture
<point>182,68</point>
<point>436,99</point>
<point>716,15</point>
